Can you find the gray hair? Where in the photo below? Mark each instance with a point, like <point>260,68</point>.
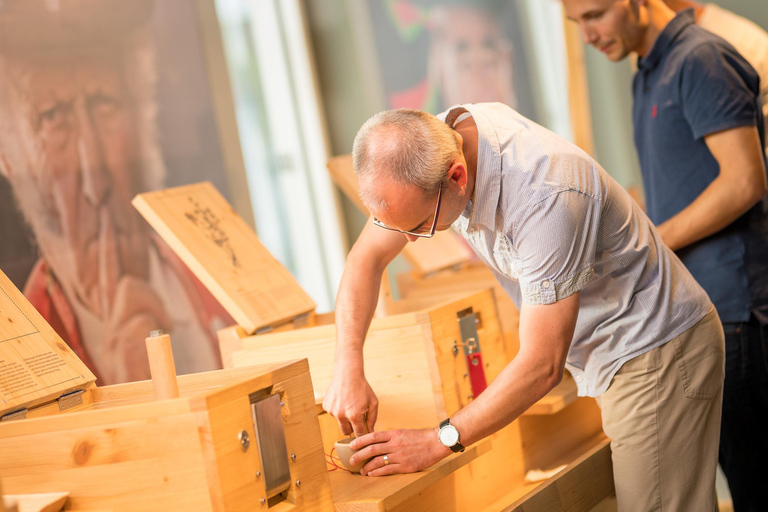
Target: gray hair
<point>409,146</point>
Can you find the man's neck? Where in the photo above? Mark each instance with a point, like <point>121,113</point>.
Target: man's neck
<point>680,5</point>
<point>659,16</point>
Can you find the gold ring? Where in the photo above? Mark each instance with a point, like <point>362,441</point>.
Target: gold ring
<point>386,460</point>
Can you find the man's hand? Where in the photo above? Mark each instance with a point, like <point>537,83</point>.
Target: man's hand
<point>136,311</point>
<point>407,451</point>
<point>351,400</point>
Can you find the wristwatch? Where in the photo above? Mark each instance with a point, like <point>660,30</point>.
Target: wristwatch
<point>448,435</point>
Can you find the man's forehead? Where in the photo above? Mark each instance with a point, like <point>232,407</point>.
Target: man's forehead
<point>41,75</point>
<point>575,9</point>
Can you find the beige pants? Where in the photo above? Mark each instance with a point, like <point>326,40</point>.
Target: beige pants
<point>662,413</point>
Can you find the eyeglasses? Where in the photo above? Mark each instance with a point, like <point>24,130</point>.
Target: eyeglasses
<point>420,231</point>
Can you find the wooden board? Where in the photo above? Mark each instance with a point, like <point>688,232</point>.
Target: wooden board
<point>445,250</point>
<point>42,502</point>
<point>130,452</point>
<point>36,366</point>
<point>225,254</point>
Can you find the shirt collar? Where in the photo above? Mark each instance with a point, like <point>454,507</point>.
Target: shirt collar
<point>663,43</point>
<point>481,209</point>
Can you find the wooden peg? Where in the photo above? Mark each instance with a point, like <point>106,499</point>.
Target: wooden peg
<point>161,365</point>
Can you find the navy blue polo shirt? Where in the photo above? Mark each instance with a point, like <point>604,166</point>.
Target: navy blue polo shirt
<point>692,84</point>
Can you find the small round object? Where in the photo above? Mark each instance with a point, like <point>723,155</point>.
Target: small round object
<point>386,460</point>
<point>298,483</point>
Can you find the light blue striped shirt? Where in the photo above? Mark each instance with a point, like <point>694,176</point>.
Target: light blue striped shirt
<point>549,221</point>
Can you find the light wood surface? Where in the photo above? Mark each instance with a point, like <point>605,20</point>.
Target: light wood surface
<point>443,251</point>
<point>162,367</point>
<point>580,487</point>
<point>136,453</point>
<point>41,502</point>
<point>36,366</point>
<point>356,493</point>
<point>225,254</point>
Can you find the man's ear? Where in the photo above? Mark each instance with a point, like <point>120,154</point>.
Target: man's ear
<point>458,173</point>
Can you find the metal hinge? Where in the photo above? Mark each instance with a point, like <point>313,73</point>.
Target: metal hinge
<point>19,414</point>
<point>71,400</point>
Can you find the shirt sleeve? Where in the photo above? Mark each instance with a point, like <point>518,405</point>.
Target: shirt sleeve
<point>717,93</point>
<point>556,245</point>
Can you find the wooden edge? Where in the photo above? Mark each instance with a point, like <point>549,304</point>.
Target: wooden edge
<point>441,470</point>
<point>281,372</point>
<point>563,395</point>
<point>38,502</point>
<point>580,487</point>
<point>390,491</point>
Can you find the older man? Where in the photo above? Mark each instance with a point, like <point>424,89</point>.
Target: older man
<point>77,142</point>
<point>699,133</point>
<point>598,292</point>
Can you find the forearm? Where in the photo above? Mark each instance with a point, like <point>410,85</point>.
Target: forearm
<point>355,306</point>
<point>719,205</point>
<point>520,385</point>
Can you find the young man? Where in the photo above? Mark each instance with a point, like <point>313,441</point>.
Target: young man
<point>598,292</point>
<point>750,40</point>
<point>699,136</point>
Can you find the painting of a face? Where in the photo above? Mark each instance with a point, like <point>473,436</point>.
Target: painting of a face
<point>74,115</point>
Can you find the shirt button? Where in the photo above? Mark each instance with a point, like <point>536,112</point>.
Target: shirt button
<point>545,284</point>
<point>579,378</point>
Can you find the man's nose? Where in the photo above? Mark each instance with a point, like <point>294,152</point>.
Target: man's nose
<point>589,35</point>
<point>96,180</point>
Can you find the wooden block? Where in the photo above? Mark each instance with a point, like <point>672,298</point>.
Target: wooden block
<point>225,254</point>
<point>36,366</point>
<point>162,367</point>
<point>443,251</point>
<point>129,452</point>
<point>415,491</point>
<point>42,502</point>
<point>583,485</point>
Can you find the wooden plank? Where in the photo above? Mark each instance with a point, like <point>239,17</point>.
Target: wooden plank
<point>578,90</point>
<point>556,400</point>
<point>580,487</point>
<point>356,493</point>
<point>395,366</point>
<point>548,440</point>
<point>40,502</point>
<point>225,254</point>
<point>443,251</point>
<point>36,366</point>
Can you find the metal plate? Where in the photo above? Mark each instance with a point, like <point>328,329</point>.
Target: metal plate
<point>270,440</point>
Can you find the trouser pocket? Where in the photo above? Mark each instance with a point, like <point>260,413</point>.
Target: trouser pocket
<point>700,354</point>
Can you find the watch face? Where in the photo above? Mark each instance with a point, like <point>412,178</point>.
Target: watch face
<point>448,435</point>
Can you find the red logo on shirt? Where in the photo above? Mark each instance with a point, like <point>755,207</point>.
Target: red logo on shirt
<point>654,111</point>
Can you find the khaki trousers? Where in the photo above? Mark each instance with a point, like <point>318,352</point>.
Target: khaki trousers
<point>662,414</point>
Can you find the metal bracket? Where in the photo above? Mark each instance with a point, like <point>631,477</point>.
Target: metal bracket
<point>473,355</point>
<point>15,415</point>
<point>71,400</point>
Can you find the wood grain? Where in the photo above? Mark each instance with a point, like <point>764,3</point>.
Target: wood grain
<point>225,254</point>
<point>36,366</point>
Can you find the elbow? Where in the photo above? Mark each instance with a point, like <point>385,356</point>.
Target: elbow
<point>755,189</point>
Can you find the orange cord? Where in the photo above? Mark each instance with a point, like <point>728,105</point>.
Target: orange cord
<point>332,460</point>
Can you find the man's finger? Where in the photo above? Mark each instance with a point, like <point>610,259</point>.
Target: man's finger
<point>390,469</point>
<point>344,426</point>
<point>370,451</point>
<point>358,424</point>
<point>373,413</point>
